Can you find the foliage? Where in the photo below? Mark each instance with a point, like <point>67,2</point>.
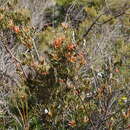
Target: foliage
<point>69,78</point>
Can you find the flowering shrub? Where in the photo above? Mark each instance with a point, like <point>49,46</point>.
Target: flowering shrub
<point>69,78</point>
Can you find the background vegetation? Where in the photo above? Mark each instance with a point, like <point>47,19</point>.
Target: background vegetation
<point>68,72</point>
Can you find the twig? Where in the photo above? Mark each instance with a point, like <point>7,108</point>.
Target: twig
<point>95,21</point>
<point>113,17</point>
<point>91,26</point>
<point>34,45</point>
<point>15,59</point>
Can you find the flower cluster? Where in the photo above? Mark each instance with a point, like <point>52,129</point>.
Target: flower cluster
<point>58,42</point>
<point>71,47</point>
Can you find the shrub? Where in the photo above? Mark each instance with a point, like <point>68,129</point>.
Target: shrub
<point>68,78</point>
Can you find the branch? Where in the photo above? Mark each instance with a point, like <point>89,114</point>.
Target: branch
<point>35,48</point>
<point>118,15</point>
<point>94,22</point>
<point>16,60</point>
<point>91,26</point>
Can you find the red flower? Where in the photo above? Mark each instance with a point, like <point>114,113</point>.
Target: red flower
<point>71,47</point>
<point>58,42</point>
<point>16,29</point>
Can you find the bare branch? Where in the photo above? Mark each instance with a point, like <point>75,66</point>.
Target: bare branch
<point>91,26</point>
<point>17,60</point>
